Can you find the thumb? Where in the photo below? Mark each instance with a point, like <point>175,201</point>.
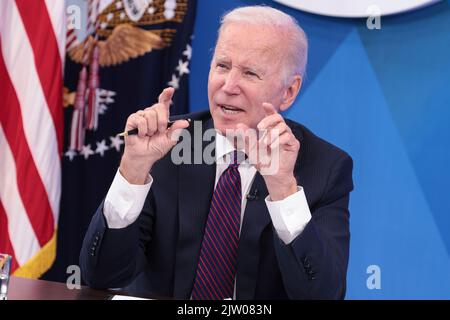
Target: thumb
<point>174,132</point>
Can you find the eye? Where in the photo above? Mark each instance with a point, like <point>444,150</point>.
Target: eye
<point>221,65</point>
<point>252,74</point>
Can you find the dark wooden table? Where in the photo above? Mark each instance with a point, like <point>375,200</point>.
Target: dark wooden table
<point>30,289</point>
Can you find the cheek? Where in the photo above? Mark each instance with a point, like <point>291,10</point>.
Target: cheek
<point>259,115</point>
<point>213,84</point>
<point>255,113</point>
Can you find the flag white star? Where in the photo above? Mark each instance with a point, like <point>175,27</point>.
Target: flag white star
<point>105,93</point>
<point>116,141</point>
<point>101,147</point>
<point>71,154</point>
<point>102,108</point>
<point>86,151</point>
<point>188,52</point>
<point>175,82</point>
<point>169,14</point>
<point>182,67</point>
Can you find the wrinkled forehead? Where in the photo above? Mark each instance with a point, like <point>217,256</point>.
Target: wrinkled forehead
<point>247,42</point>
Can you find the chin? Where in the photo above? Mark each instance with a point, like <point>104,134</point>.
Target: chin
<point>222,127</point>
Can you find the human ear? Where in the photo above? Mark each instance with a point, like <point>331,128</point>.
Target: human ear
<point>291,92</point>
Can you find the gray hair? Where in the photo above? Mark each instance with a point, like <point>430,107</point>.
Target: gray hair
<point>284,25</point>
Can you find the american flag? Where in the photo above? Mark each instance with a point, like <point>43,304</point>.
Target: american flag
<point>32,49</point>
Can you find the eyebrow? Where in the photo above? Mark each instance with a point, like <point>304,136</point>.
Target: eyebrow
<point>250,67</point>
<point>221,58</point>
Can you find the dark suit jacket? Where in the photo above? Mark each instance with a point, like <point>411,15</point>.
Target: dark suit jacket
<point>164,242</point>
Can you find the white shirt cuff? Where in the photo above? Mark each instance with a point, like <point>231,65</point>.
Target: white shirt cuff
<point>124,201</point>
<point>290,215</point>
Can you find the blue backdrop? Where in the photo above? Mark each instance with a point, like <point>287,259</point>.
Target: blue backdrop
<point>384,97</point>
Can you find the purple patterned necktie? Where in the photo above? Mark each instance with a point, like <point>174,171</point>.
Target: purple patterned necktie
<point>216,267</point>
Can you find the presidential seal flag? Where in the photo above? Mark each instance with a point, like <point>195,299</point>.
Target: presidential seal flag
<point>128,52</point>
<point>32,45</point>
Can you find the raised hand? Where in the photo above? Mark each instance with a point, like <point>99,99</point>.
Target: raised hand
<point>153,141</point>
<point>273,150</point>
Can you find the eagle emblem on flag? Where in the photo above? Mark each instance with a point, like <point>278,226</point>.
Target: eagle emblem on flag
<point>129,29</point>
<point>117,31</point>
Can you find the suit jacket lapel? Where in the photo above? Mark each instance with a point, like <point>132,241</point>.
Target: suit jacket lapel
<point>256,219</point>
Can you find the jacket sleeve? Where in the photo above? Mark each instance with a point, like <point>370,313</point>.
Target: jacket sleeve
<point>112,258</point>
<point>314,265</point>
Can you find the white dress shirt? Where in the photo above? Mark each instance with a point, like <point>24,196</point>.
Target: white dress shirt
<point>124,201</point>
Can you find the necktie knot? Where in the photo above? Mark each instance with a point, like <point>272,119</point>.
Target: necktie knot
<point>237,157</point>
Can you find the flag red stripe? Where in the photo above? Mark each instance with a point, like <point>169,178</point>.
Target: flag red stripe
<point>5,243</point>
<point>42,38</point>
<point>70,41</point>
<point>30,185</point>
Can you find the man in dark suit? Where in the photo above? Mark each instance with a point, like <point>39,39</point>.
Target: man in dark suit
<point>251,225</point>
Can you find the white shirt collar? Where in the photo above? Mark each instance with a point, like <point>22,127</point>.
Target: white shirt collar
<point>224,147</point>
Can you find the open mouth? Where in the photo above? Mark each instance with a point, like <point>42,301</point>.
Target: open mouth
<point>230,109</point>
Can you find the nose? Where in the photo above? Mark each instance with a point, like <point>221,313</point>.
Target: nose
<point>231,85</point>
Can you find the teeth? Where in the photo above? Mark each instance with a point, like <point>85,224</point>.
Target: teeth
<point>229,111</point>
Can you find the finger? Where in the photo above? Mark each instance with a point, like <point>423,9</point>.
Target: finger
<point>176,129</point>
<point>166,97</point>
<point>151,116</point>
<point>162,117</point>
<point>270,121</point>
<point>276,132</point>
<point>269,108</point>
<point>285,141</point>
<point>132,122</point>
<point>142,126</point>
<point>264,153</point>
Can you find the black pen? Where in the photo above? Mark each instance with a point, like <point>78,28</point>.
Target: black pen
<point>135,130</point>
